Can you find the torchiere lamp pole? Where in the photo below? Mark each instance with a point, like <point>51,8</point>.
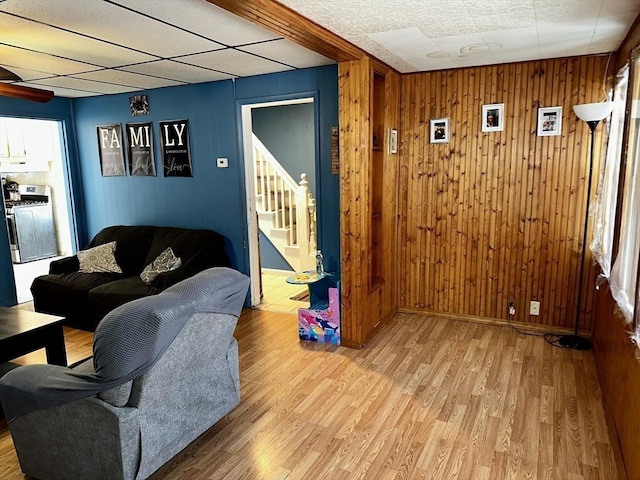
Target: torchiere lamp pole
<point>591,113</point>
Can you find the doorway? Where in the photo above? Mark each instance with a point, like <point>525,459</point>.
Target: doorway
<point>41,161</point>
<point>287,129</point>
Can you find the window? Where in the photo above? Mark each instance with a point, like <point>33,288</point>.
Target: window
<point>625,269</point>
<point>604,206</point>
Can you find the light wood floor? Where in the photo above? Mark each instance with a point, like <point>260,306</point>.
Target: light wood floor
<point>429,398</point>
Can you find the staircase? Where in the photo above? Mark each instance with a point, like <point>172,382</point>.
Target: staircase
<point>286,209</point>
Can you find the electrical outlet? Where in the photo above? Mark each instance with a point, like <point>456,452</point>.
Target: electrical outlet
<point>511,307</point>
<point>222,162</point>
<point>534,308</point>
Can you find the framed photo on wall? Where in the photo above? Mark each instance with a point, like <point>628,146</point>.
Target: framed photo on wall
<point>393,140</point>
<point>549,121</point>
<point>493,117</point>
<point>440,130</point>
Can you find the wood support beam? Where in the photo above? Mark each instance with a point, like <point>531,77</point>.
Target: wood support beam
<point>289,24</point>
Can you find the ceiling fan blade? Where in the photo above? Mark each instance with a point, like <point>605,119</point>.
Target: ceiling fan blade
<point>8,75</point>
<point>25,93</point>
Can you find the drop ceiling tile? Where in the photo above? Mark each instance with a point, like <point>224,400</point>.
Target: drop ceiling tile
<point>618,7</point>
<point>42,38</point>
<point>177,71</point>
<point>18,57</point>
<point>26,73</point>
<point>97,19</point>
<point>127,78</point>
<point>203,18</point>
<point>288,52</point>
<point>566,11</point>
<point>234,62</point>
<point>603,46</point>
<point>581,30</point>
<point>63,92</point>
<point>85,85</point>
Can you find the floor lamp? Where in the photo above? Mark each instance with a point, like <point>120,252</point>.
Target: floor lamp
<point>591,113</point>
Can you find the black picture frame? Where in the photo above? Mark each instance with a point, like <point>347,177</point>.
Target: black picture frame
<point>140,149</point>
<point>111,150</point>
<point>176,152</point>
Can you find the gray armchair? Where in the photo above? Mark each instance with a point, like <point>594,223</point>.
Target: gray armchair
<point>164,370</point>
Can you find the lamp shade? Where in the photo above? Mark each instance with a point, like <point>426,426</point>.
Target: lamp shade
<point>593,112</point>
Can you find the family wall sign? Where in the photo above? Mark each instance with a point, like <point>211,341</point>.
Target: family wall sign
<point>175,149</point>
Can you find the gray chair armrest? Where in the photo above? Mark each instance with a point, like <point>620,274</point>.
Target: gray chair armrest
<point>86,438</point>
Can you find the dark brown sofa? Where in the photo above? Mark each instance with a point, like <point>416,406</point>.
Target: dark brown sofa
<point>85,298</point>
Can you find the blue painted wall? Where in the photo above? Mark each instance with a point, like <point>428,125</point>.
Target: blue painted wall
<point>213,198</point>
<point>59,109</point>
<point>288,132</point>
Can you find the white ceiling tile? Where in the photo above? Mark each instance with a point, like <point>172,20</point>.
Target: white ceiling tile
<point>26,73</point>
<point>127,78</point>
<point>80,84</point>
<point>618,7</point>
<point>63,92</point>
<point>288,52</point>
<point>17,57</point>
<point>112,23</point>
<point>180,72</point>
<point>41,38</point>
<point>555,11</point>
<point>203,18</point>
<point>234,62</point>
<point>604,46</point>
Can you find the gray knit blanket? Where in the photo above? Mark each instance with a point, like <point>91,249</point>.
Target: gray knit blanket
<point>127,342</point>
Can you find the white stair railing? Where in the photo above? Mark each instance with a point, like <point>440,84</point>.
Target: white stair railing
<point>292,205</point>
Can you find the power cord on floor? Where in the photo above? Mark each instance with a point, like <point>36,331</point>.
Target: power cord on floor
<point>512,312</point>
<point>551,338</point>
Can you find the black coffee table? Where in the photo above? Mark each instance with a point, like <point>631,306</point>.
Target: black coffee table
<point>23,332</point>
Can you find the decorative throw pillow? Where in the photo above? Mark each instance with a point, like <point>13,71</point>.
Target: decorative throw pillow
<point>100,259</point>
<point>165,262</point>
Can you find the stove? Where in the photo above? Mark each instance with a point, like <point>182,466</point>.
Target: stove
<point>30,223</point>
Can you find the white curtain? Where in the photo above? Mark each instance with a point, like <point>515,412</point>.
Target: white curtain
<point>624,272</point>
<point>603,208</point>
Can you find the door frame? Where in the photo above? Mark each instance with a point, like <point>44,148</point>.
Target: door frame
<point>253,230</point>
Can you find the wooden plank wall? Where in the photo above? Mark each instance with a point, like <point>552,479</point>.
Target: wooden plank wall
<point>364,309</point>
<point>619,375</point>
<point>615,356</point>
<point>490,217</point>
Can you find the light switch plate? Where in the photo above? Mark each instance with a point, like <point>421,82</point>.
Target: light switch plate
<point>222,162</point>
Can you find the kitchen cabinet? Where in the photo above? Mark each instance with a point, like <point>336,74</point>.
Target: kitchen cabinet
<point>36,232</point>
<point>26,145</point>
<point>12,138</point>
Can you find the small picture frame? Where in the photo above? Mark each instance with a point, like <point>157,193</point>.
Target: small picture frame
<point>440,130</point>
<point>393,140</point>
<point>139,105</point>
<point>549,121</point>
<point>493,117</point>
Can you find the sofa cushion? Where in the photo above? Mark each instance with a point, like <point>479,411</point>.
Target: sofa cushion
<point>100,259</point>
<point>165,262</point>
<point>132,245</point>
<point>109,296</point>
<point>198,249</point>
<point>66,293</point>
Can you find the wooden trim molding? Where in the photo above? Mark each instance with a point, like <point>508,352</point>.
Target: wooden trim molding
<point>284,21</point>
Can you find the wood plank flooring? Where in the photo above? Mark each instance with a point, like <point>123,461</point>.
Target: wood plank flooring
<point>427,399</point>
